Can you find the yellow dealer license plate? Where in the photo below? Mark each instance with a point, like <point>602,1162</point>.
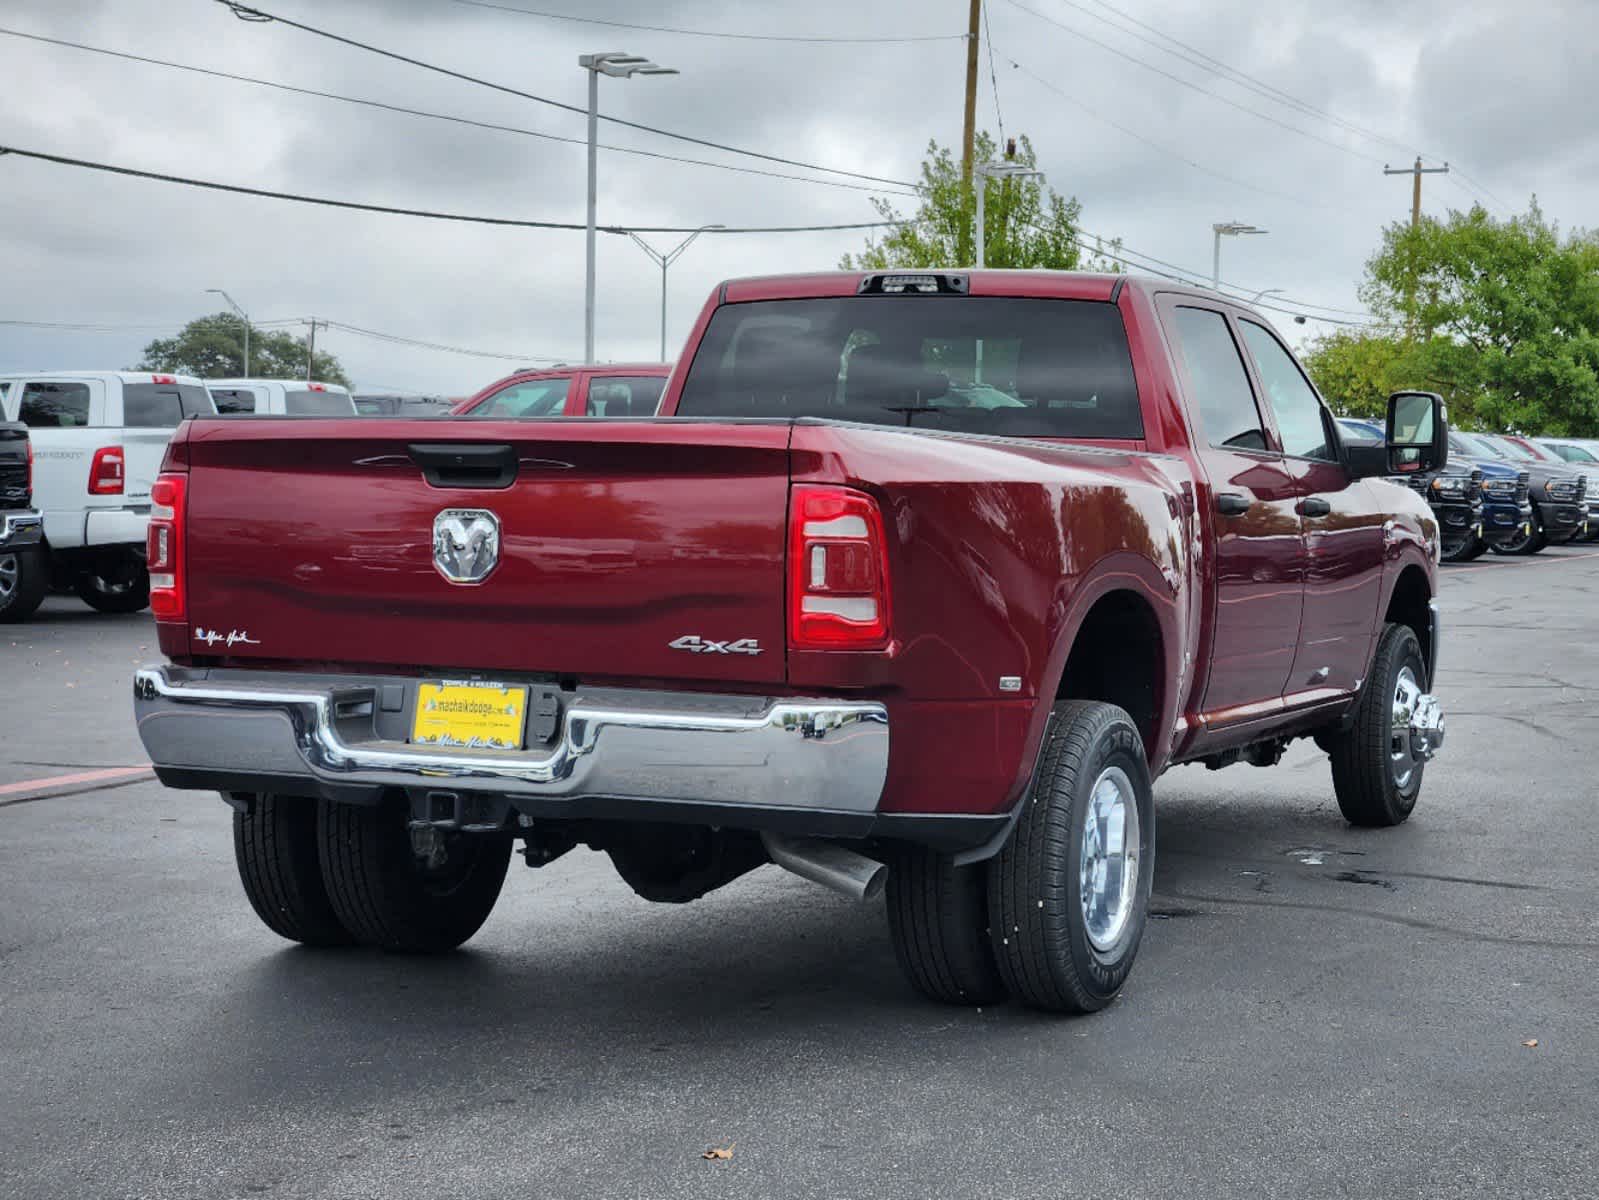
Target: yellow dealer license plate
<point>476,715</point>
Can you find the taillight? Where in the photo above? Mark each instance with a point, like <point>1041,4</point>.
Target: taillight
<point>164,548</point>
<point>106,472</point>
<point>837,570</point>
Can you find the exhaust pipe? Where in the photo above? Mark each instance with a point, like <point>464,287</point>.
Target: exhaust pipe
<point>829,864</point>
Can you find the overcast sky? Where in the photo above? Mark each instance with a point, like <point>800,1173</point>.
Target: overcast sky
<point>1505,91</point>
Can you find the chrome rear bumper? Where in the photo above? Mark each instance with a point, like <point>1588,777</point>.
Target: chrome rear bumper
<point>20,529</point>
<point>332,736</point>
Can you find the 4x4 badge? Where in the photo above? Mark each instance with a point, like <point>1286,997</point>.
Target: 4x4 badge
<point>699,645</point>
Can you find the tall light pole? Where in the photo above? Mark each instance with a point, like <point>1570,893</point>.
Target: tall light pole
<point>665,260</point>
<point>1227,229</point>
<point>618,64</point>
<point>983,173</point>
<point>243,316</point>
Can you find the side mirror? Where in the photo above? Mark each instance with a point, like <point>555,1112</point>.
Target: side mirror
<point>1417,432</point>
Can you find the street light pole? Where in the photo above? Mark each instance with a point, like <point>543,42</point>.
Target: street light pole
<point>1221,230</point>
<point>619,65</point>
<point>665,260</point>
<point>994,170</point>
<point>243,316</point>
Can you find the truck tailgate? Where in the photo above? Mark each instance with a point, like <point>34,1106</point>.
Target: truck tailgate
<point>313,541</point>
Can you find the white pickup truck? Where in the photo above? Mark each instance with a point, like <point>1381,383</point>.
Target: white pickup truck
<point>280,397</point>
<point>98,440</point>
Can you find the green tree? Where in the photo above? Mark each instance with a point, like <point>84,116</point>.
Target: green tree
<point>1026,223</point>
<point>213,348</point>
<point>1356,371</point>
<point>1502,317</point>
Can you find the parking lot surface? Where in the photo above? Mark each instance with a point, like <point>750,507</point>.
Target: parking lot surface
<point>1317,1010</point>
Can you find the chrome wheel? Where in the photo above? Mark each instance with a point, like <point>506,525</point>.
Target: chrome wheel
<point>1108,867</point>
<point>10,577</point>
<point>1401,750</point>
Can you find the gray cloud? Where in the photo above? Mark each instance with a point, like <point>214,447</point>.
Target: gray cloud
<point>1497,86</point>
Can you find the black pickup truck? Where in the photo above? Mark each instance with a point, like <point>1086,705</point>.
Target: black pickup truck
<point>23,579</point>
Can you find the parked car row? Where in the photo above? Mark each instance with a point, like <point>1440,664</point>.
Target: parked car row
<point>1505,493</point>
<point>93,443</point>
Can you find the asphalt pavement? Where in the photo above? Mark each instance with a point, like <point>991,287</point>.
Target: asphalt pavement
<point>1316,1010</point>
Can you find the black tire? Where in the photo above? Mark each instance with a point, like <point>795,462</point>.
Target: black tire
<point>1522,543</point>
<point>1365,775</point>
<point>1038,929</point>
<point>938,921</point>
<point>127,590</point>
<point>1476,550</point>
<point>1466,549</point>
<point>275,846</point>
<point>24,580</point>
<point>386,896</point>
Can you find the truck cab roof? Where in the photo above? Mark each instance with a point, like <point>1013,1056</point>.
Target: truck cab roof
<point>105,376</point>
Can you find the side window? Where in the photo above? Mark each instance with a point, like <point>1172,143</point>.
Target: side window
<point>1221,385</point>
<point>1300,419</point>
<point>624,396</point>
<point>55,405</point>
<point>534,398</point>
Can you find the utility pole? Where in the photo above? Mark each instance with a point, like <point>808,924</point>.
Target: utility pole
<point>310,346</point>
<point>1227,229</point>
<point>664,259</point>
<point>1415,196</point>
<point>969,130</point>
<point>618,64</point>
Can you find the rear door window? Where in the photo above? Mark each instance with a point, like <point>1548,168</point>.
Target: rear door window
<point>530,398</point>
<point>624,395</point>
<point>1220,384</point>
<point>306,403</point>
<point>978,364</point>
<point>54,405</point>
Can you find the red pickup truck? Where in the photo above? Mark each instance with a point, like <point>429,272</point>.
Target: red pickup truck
<point>919,581</point>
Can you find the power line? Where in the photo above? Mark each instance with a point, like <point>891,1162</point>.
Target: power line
<point>1260,86</point>
<point>399,340</point>
<point>708,33</point>
<point>416,112</point>
<point>419,212</point>
<point>993,77</point>
<point>1177,154</point>
<point>254,14</point>
<point>1187,83</point>
<point>1211,65</point>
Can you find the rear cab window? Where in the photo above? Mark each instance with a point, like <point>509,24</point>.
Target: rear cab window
<point>624,395</point>
<point>232,401</point>
<point>973,364</point>
<point>163,405</point>
<point>307,403</point>
<point>54,405</point>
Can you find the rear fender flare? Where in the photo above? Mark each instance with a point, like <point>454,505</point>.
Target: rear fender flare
<point>1120,571</point>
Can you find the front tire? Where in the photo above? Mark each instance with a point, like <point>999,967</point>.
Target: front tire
<point>275,846</point>
<point>24,580</point>
<point>418,895</point>
<point>1068,895</point>
<point>938,922</point>
<point>1376,778</point>
<point>1466,549</point>
<point>1524,543</point>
